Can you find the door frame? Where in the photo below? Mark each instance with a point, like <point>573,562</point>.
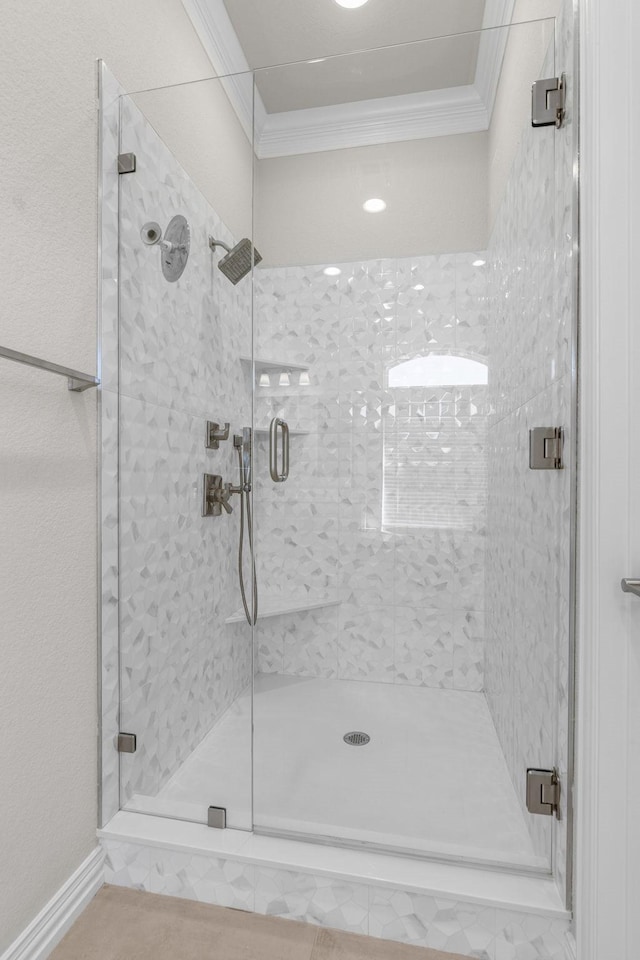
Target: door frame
<point>607,877</point>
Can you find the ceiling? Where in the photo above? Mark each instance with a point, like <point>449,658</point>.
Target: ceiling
<point>284,31</point>
<point>432,65</point>
<point>328,77</point>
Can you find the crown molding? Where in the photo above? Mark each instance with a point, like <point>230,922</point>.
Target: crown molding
<point>215,31</point>
<point>413,116</point>
<point>438,113</point>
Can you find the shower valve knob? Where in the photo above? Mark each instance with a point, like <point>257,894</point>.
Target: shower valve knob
<point>225,496</point>
<point>216,495</point>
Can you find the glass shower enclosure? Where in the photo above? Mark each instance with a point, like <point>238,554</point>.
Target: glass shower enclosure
<point>361,397</point>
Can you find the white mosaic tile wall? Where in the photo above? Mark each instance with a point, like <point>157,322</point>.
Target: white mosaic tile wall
<point>454,926</point>
<point>528,523</point>
<point>180,344</point>
<point>384,510</point>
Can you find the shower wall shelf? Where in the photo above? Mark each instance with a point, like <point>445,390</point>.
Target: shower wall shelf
<point>274,366</point>
<point>76,381</point>
<point>275,608</point>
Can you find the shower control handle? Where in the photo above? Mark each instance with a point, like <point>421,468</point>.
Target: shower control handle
<point>225,496</point>
<point>216,495</point>
<point>282,427</point>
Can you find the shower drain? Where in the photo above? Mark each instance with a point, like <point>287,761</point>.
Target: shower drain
<point>356,738</point>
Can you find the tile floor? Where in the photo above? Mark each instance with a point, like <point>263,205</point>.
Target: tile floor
<point>122,924</point>
<point>429,781</point>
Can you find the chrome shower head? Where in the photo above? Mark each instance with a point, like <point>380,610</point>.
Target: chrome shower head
<point>236,263</point>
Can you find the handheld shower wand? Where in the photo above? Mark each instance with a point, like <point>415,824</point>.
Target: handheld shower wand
<point>242,443</point>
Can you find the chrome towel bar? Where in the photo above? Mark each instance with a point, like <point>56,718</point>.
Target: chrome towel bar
<point>76,381</point>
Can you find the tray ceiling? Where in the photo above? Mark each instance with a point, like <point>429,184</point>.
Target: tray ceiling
<point>292,30</point>
<point>406,90</point>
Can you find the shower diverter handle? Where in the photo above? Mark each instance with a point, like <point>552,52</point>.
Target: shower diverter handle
<point>278,426</point>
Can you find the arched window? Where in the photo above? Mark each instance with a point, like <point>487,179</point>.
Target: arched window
<point>438,370</point>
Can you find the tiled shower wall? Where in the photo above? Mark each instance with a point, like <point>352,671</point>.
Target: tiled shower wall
<point>181,665</point>
<point>383,515</point>
<point>528,524</point>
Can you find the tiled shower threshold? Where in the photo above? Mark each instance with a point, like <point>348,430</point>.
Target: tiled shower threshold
<point>238,868</point>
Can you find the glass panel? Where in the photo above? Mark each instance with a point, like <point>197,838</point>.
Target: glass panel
<point>185,645</point>
<point>411,568</point>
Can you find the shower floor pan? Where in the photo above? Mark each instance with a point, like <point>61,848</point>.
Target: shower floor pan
<point>431,781</point>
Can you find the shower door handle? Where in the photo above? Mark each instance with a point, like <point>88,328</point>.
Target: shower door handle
<point>282,427</point>
<point>631,586</point>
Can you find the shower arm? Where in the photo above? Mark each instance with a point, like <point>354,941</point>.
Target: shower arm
<point>218,243</point>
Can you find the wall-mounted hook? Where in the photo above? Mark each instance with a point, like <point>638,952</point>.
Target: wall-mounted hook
<point>214,434</point>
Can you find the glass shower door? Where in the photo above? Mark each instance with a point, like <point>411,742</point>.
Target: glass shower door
<point>184,336</point>
<point>413,571</point>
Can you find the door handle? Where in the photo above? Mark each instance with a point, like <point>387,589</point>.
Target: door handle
<point>630,586</point>
<point>277,425</point>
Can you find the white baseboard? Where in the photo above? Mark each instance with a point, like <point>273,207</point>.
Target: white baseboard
<point>53,921</point>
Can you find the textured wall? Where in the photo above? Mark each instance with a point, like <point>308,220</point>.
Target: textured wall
<point>181,665</point>
<point>530,322</point>
<point>410,593</point>
<point>48,196</point>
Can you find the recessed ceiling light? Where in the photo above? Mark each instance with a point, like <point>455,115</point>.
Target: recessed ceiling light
<point>332,271</point>
<point>375,205</point>
<point>479,263</point>
<point>351,4</point>
<point>419,286</point>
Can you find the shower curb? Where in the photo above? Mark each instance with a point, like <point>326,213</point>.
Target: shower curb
<point>443,906</point>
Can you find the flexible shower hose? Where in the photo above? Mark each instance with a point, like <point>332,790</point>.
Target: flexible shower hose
<point>245,508</point>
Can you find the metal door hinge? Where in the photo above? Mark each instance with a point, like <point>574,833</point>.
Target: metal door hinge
<point>547,102</point>
<point>543,792</point>
<point>217,817</point>
<point>127,743</point>
<point>127,163</point>
<point>545,448</point>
